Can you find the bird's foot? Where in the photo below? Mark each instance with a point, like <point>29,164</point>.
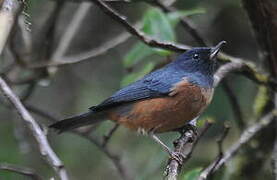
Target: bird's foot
<point>188,127</point>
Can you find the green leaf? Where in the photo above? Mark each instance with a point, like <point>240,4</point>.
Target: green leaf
<point>174,17</point>
<point>132,77</point>
<point>155,24</point>
<point>136,54</point>
<point>193,174</point>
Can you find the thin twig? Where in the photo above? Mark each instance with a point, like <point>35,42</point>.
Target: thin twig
<point>208,172</point>
<point>44,147</point>
<point>20,170</point>
<point>134,31</point>
<point>85,55</point>
<point>235,104</point>
<point>185,22</point>
<point>107,137</point>
<point>245,137</point>
<point>72,29</point>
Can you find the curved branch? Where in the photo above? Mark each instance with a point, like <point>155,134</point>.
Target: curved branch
<point>245,137</point>
<point>41,140</point>
<point>20,170</point>
<point>140,35</point>
<point>123,170</point>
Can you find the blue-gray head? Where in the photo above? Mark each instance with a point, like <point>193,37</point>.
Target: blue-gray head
<point>201,60</point>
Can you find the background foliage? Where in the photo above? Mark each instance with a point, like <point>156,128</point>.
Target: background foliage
<point>71,89</point>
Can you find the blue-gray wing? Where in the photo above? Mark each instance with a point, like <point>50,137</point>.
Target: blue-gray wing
<point>154,85</point>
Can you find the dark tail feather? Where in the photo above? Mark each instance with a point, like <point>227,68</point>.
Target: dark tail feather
<point>77,121</point>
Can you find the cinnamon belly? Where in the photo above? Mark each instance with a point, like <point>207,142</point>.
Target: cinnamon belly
<point>165,113</point>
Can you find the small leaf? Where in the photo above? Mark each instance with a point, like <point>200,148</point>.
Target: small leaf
<point>193,174</point>
<point>174,17</point>
<point>132,77</point>
<point>157,25</point>
<point>137,53</point>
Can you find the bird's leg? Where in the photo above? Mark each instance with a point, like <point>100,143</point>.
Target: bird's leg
<point>175,155</point>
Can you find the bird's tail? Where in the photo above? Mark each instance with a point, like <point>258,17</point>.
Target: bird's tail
<point>78,121</point>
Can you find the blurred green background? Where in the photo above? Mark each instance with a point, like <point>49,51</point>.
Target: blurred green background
<point>74,88</point>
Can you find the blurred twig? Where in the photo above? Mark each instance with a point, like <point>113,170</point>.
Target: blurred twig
<point>107,137</point>
<point>86,55</point>
<point>44,147</point>
<point>208,172</point>
<point>71,31</point>
<point>245,137</point>
<point>20,170</point>
<point>186,22</point>
<point>8,14</point>
<point>234,103</point>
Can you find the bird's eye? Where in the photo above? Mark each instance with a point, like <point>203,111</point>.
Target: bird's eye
<point>195,56</point>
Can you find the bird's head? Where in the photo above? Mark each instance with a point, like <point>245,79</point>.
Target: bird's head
<point>200,59</point>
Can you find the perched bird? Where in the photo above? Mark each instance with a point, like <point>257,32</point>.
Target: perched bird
<point>164,100</point>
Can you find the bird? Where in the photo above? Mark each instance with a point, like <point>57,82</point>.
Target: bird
<point>164,100</point>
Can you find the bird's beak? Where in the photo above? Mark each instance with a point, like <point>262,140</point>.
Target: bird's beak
<point>215,49</point>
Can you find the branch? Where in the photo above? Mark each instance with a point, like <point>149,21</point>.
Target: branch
<point>208,172</point>
<point>44,147</point>
<point>20,170</point>
<point>249,68</point>
<point>134,31</point>
<point>224,70</point>
<point>185,22</point>
<point>8,15</point>
<point>107,137</point>
<point>184,145</point>
<point>71,31</point>
<point>59,61</point>
<point>263,15</point>
<point>123,170</point>
<point>245,137</point>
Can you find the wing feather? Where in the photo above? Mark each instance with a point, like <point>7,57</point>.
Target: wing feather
<point>154,85</point>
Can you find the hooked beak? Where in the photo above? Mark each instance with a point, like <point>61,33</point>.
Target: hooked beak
<point>215,50</point>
